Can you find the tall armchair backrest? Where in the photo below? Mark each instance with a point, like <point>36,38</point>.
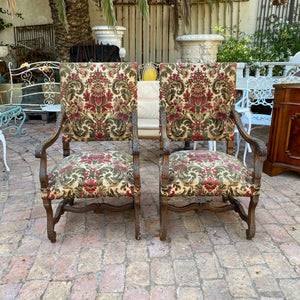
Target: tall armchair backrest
<point>197,100</point>
<point>98,100</point>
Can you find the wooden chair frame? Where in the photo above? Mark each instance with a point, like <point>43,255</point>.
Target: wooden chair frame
<point>68,203</point>
<point>259,151</point>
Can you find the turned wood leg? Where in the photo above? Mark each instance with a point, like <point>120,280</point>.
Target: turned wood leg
<point>225,198</point>
<point>50,223</point>
<point>2,139</point>
<point>161,147</point>
<point>187,145</point>
<point>137,217</point>
<point>238,143</point>
<point>250,232</point>
<point>163,218</point>
<point>71,201</point>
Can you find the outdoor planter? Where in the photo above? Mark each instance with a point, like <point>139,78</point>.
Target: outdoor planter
<point>111,35</point>
<point>3,51</point>
<point>198,48</point>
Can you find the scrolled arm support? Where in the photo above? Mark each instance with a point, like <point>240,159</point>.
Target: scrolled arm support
<point>258,146</point>
<point>255,143</point>
<point>166,150</point>
<point>40,152</point>
<point>135,151</point>
<point>164,137</point>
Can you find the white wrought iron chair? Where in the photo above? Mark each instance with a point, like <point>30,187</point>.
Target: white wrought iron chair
<point>38,88</point>
<point>260,95</point>
<point>256,105</point>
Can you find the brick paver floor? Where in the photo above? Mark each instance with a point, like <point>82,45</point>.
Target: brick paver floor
<point>96,256</point>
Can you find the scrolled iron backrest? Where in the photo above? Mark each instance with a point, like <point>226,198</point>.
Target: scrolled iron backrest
<point>260,90</point>
<point>197,99</point>
<point>98,99</point>
<point>38,83</point>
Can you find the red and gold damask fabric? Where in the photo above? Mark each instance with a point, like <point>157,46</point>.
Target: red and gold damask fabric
<point>197,100</point>
<point>90,175</point>
<point>208,173</point>
<point>98,100</point>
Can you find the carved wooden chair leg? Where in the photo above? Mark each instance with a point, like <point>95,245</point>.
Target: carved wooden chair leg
<point>187,145</point>
<point>137,217</point>
<point>160,147</point>
<point>50,222</point>
<point>163,218</point>
<point>251,217</point>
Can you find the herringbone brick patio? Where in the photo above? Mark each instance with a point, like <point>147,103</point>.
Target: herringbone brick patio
<point>96,256</point>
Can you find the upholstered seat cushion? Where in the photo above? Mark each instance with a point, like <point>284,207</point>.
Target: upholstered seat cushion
<point>88,175</point>
<point>208,173</point>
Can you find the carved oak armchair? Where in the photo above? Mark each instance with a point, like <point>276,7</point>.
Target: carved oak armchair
<point>197,103</point>
<point>99,104</point>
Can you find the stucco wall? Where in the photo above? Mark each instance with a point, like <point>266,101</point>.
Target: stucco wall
<point>249,11</point>
<point>34,12</point>
<point>37,12</point>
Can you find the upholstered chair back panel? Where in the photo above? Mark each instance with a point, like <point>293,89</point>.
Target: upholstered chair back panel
<point>98,99</point>
<point>197,99</point>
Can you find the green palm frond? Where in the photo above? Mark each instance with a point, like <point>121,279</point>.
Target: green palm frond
<point>11,6</point>
<point>185,7</point>
<point>144,8</point>
<point>61,7</point>
<point>109,12</point>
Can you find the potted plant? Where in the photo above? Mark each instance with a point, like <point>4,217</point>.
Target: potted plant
<point>73,17</point>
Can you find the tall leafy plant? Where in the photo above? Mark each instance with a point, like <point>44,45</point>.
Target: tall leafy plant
<point>182,12</point>
<point>108,8</point>
<point>275,45</point>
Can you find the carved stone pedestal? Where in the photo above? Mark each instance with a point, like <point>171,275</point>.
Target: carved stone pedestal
<point>110,35</point>
<point>198,48</point>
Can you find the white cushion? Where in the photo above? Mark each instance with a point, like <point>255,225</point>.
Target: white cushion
<point>148,90</point>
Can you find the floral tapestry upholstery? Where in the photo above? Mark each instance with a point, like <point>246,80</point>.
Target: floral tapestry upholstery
<point>197,100</point>
<point>208,173</point>
<point>90,175</point>
<point>98,99</point>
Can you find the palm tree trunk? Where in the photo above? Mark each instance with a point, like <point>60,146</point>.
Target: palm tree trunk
<point>78,18</point>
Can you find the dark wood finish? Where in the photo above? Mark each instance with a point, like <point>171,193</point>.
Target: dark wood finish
<point>284,140</point>
<point>231,203</point>
<point>66,205</point>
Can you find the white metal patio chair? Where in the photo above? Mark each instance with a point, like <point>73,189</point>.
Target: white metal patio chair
<point>245,114</point>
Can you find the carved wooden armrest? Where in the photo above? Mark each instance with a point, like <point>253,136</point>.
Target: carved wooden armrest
<point>166,150</point>
<point>135,151</point>
<point>40,152</point>
<point>164,137</point>
<point>258,145</point>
